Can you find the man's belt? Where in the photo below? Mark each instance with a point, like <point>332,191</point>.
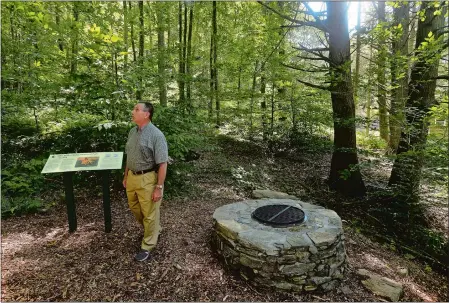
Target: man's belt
<point>141,172</point>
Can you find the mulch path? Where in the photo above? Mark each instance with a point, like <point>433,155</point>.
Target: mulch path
<point>41,261</point>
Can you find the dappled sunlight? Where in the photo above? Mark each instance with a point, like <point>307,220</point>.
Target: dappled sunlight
<point>418,291</point>
<point>225,192</point>
<point>15,241</point>
<point>377,264</point>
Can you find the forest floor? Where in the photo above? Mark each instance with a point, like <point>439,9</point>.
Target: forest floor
<point>41,261</point>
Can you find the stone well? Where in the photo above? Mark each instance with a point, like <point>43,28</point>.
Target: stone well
<point>304,257</point>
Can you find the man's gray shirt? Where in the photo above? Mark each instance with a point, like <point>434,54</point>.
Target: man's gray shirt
<point>145,148</point>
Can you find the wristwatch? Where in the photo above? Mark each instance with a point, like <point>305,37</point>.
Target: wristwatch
<point>159,186</point>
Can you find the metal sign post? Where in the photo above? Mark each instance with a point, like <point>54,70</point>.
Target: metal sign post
<point>70,163</point>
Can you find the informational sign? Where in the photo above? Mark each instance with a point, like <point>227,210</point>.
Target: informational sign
<point>85,161</point>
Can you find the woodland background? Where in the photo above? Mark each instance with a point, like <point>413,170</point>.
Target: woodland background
<point>280,77</point>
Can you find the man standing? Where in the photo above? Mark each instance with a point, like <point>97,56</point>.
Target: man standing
<point>146,167</point>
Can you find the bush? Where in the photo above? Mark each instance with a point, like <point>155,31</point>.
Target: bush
<point>19,205</point>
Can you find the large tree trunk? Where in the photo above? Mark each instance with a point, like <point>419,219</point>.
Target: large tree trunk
<point>139,91</point>
<point>399,76</point>
<point>357,57</point>
<point>381,70</point>
<point>161,53</point>
<point>344,175</point>
<point>406,173</point>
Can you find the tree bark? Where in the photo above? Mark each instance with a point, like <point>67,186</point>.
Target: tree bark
<point>368,102</point>
<point>125,35</point>
<point>139,91</point>
<point>357,57</point>
<point>406,172</point>
<point>344,175</point>
<point>133,44</point>
<point>399,75</point>
<point>381,79</point>
<point>189,59</point>
<point>214,36</point>
<point>161,53</point>
<point>181,59</point>
<point>74,50</point>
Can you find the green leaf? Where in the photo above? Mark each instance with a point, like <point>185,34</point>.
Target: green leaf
<point>114,38</point>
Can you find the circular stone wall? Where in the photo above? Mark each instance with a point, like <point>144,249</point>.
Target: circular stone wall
<point>304,257</point>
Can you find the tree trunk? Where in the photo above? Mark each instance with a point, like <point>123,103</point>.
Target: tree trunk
<point>273,87</point>
<point>125,36</point>
<point>133,44</point>
<point>357,58</point>
<point>251,102</point>
<point>161,53</point>
<point>368,102</point>
<point>181,59</point>
<point>214,35</point>
<point>381,70</point>
<point>74,59</point>
<point>406,172</point>
<point>399,76</point>
<point>344,175</point>
<point>139,91</point>
<point>189,59</point>
<point>263,106</point>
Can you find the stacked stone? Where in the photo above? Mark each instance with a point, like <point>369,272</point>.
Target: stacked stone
<point>306,257</point>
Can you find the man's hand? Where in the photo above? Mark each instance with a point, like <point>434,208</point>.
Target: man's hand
<point>124,182</point>
<point>157,194</point>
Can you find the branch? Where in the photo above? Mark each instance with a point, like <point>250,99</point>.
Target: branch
<point>300,23</point>
<point>442,77</point>
<point>317,49</point>
<point>322,59</point>
<point>319,70</point>
<point>313,85</point>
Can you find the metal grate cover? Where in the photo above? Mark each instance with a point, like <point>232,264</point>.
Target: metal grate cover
<point>279,215</point>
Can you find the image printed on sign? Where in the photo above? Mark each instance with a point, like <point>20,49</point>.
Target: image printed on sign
<point>87,161</point>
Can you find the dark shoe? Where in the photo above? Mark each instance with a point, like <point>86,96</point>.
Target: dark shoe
<point>142,255</point>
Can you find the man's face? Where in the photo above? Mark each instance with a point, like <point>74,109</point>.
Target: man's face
<point>139,115</point>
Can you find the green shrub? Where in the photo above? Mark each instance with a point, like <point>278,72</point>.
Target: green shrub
<point>19,205</point>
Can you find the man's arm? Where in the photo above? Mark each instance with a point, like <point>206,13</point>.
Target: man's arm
<point>158,190</point>
<point>125,176</point>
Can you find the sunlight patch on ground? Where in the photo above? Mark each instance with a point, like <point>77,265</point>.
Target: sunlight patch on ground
<point>377,264</point>
<point>16,241</point>
<point>420,293</point>
<point>224,191</point>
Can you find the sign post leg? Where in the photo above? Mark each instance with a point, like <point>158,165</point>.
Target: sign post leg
<point>70,201</point>
<point>106,201</point>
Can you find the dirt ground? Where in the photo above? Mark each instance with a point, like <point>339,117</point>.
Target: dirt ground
<point>41,261</point>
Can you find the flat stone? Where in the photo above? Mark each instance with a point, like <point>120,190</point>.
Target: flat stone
<point>302,256</point>
<point>283,285</point>
<point>322,238</point>
<point>310,287</point>
<point>382,286</point>
<point>262,240</point>
<point>265,193</point>
<point>251,261</point>
<point>230,228</point>
<point>287,259</point>
<point>320,280</point>
<point>297,268</point>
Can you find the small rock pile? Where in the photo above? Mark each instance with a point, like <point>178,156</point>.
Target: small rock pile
<point>305,257</point>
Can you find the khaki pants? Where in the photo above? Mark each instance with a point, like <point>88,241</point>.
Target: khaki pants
<point>139,189</point>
